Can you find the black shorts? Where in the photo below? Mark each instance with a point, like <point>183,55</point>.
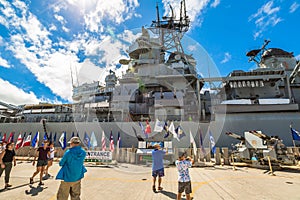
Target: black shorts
<point>185,186</point>
<point>159,173</point>
<point>41,163</point>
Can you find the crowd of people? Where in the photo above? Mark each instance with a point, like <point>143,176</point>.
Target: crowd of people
<point>72,168</point>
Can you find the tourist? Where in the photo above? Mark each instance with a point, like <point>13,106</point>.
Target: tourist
<point>184,179</point>
<point>42,153</point>
<point>72,171</point>
<point>50,158</point>
<point>157,166</point>
<point>6,158</point>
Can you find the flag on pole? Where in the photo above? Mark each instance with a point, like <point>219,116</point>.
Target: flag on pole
<point>27,141</point>
<point>4,138</point>
<point>192,141</point>
<point>201,142</point>
<point>212,143</point>
<point>23,139</point>
<point>295,134</point>
<point>148,128</point>
<point>50,137</point>
<point>63,140</point>
<point>143,129</point>
<point>11,137</point>
<point>54,139</point>
<point>166,128</point>
<point>159,126</point>
<point>111,144</point>
<point>87,140</point>
<point>93,140</point>
<point>35,141</point>
<point>119,141</point>
<point>19,141</point>
<point>180,133</point>
<point>103,142</point>
<point>45,136</point>
<point>172,130</point>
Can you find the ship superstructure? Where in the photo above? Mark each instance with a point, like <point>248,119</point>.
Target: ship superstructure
<point>161,81</point>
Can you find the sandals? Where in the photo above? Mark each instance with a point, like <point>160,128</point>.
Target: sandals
<point>41,183</point>
<point>160,188</point>
<point>31,181</point>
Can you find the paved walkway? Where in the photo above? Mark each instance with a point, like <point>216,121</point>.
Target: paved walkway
<point>127,182</point>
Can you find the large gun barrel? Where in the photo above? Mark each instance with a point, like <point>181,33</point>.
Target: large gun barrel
<point>236,136</point>
<point>260,135</point>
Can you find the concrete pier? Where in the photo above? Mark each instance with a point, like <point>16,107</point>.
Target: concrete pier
<point>128,181</point>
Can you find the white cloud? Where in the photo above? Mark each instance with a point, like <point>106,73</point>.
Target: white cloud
<point>265,17</point>
<point>95,12</point>
<point>30,43</point>
<point>215,3</point>
<point>294,7</point>
<point>227,57</point>
<point>4,63</point>
<point>11,94</point>
<point>297,57</point>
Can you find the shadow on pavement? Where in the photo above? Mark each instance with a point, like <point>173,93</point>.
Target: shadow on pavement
<point>34,191</point>
<point>19,186</point>
<point>169,194</point>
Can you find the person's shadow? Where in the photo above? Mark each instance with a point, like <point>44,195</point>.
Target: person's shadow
<point>34,191</point>
<point>169,194</point>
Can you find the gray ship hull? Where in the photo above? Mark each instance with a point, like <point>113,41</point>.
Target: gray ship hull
<point>270,123</point>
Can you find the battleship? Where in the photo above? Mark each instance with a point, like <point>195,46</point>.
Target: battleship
<point>162,83</point>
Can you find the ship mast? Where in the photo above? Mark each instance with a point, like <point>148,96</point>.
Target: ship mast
<point>170,29</point>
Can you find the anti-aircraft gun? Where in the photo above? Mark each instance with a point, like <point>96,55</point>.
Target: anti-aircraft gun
<point>269,146</point>
<point>240,151</point>
<point>257,146</point>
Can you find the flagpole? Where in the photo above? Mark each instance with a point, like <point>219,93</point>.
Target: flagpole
<point>294,142</point>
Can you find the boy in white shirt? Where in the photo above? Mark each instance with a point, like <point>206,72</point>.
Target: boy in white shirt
<point>184,179</point>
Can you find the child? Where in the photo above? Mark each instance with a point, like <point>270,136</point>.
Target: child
<point>50,158</point>
<point>184,180</point>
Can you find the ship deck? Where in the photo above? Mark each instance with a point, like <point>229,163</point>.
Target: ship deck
<point>126,181</point>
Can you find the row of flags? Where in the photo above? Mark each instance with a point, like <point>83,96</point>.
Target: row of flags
<point>178,133</point>
<point>91,141</point>
<point>88,141</point>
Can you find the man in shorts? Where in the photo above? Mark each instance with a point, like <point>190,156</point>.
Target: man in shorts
<point>184,179</point>
<point>157,166</point>
<point>42,153</point>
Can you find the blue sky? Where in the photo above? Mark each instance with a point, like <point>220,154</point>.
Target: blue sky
<point>43,42</point>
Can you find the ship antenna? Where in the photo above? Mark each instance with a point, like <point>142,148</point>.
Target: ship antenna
<point>71,76</point>
<point>157,15</point>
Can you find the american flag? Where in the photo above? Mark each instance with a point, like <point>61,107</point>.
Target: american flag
<point>19,141</point>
